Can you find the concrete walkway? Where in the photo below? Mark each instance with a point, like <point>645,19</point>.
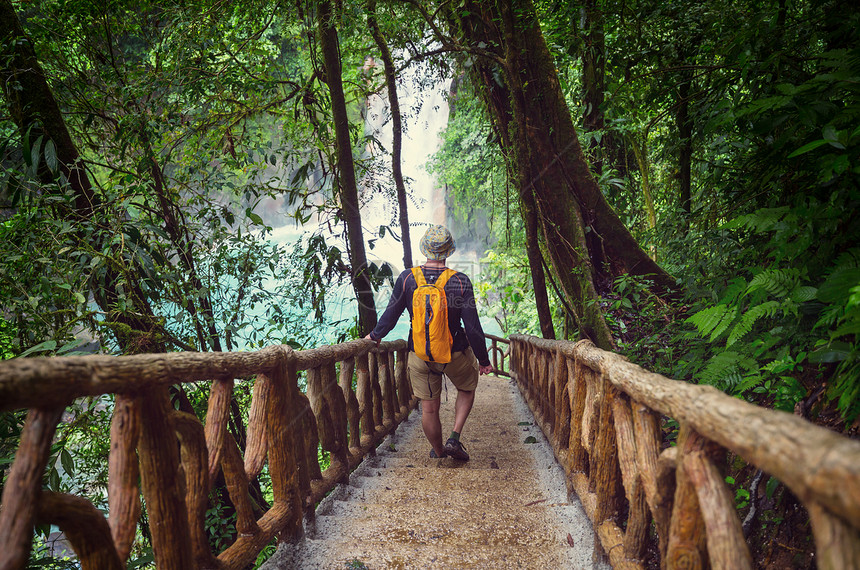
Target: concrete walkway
<point>505,508</point>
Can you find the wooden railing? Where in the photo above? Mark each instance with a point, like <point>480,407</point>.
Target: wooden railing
<point>603,415</point>
<point>286,428</point>
<point>499,354</point>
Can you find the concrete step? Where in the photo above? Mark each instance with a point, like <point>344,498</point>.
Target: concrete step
<point>376,555</point>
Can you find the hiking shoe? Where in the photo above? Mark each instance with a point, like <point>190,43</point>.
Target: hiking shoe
<point>433,454</point>
<point>455,449</point>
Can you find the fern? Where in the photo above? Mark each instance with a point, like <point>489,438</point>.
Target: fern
<point>749,383</point>
<point>803,294</point>
<point>778,282</point>
<point>736,288</point>
<point>721,369</point>
<point>708,319</point>
<point>726,370</point>
<point>745,325</point>
<point>759,221</point>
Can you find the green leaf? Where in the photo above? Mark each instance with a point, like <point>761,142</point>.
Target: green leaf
<point>51,155</point>
<point>807,147</point>
<point>46,346</point>
<point>838,286</point>
<point>68,463</point>
<point>771,486</point>
<point>530,439</point>
<point>835,352</point>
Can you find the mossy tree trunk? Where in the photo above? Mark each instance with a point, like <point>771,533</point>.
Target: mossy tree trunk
<point>35,111</point>
<point>346,182</point>
<point>517,71</point>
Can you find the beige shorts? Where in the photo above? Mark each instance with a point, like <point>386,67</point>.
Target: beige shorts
<point>426,377</point>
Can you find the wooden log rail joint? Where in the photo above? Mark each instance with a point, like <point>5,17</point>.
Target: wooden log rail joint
<point>357,393</point>
<point>603,416</point>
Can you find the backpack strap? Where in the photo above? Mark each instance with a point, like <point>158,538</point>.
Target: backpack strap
<point>419,276</point>
<point>443,279</point>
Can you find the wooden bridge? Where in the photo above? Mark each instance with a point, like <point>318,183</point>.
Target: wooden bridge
<point>602,415</point>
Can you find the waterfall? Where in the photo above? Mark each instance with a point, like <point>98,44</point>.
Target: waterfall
<point>424,109</point>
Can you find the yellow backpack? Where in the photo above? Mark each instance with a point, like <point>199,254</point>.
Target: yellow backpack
<point>431,337</point>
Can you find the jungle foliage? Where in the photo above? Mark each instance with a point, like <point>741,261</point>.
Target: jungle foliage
<point>760,104</point>
<point>725,135</point>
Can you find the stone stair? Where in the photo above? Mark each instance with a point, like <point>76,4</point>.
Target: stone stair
<point>505,508</point>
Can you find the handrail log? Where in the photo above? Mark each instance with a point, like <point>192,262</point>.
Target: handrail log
<point>822,468</point>
<point>52,381</point>
<point>180,456</point>
<point>497,338</point>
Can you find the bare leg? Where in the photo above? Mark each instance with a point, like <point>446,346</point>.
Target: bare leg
<point>432,424</point>
<point>462,407</point>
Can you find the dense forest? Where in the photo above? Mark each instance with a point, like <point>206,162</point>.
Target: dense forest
<point>674,180</point>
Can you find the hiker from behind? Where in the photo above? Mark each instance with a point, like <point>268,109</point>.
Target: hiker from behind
<point>438,300</point>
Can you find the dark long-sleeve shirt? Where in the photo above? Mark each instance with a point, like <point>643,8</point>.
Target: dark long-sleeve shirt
<point>461,307</point>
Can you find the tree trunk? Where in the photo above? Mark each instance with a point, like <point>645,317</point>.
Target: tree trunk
<point>536,266</point>
<point>35,111</point>
<point>345,167</point>
<point>549,158</point>
<point>640,151</point>
<point>593,83</point>
<point>397,134</point>
<point>685,154</point>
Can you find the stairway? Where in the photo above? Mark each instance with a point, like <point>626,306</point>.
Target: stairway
<point>505,508</point>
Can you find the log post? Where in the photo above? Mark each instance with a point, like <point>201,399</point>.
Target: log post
<point>386,389</point>
<point>607,472</point>
<point>84,526</point>
<point>195,466</point>
<point>376,390</point>
<point>365,400</point>
<point>639,517</point>
<point>237,488</point>
<point>123,474</point>
<point>255,449</point>
<point>837,543</point>
<point>591,413</point>
<point>561,405</point>
<point>337,410</point>
<point>549,394</point>
<point>347,370</point>
<point>646,425</point>
<point>687,541</point>
<point>577,392</point>
<point>664,499</point>
<point>284,444</point>
<point>23,485</point>
<point>404,389</point>
<point>218,409</point>
<point>727,548</point>
<point>161,482</point>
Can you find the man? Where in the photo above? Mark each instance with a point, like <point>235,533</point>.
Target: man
<point>426,377</point>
